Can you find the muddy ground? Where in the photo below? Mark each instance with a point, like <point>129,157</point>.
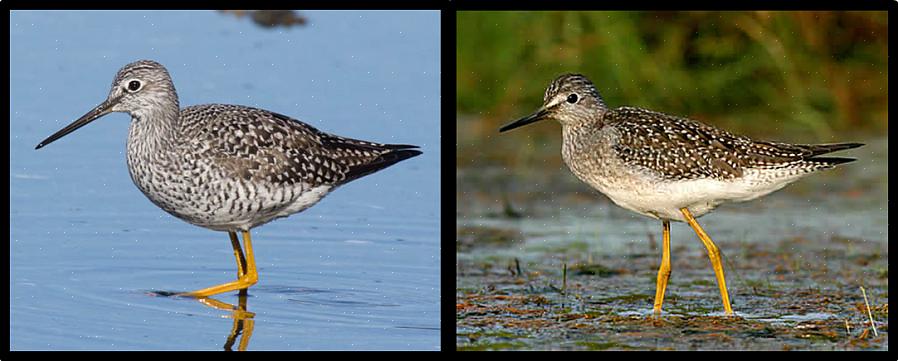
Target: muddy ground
<point>545,263</point>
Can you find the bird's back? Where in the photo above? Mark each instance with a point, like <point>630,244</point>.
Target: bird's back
<point>260,145</point>
<point>678,148</point>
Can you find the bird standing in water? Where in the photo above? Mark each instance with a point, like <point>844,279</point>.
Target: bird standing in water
<point>667,167</point>
<point>226,167</point>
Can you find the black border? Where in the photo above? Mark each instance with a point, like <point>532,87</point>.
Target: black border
<point>448,18</point>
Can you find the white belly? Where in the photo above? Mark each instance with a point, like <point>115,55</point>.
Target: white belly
<point>664,199</point>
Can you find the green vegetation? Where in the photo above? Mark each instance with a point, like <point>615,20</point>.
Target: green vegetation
<point>769,74</point>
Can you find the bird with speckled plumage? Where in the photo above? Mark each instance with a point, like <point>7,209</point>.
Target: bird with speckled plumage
<point>228,167</point>
<point>667,167</point>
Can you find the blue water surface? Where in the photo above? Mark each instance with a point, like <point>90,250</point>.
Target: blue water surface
<point>358,271</point>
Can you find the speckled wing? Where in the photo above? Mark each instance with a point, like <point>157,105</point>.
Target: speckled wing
<point>262,145</point>
<point>680,148</point>
<point>673,147</point>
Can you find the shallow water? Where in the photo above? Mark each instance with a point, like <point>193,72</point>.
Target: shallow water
<point>89,253</point>
<point>546,263</point>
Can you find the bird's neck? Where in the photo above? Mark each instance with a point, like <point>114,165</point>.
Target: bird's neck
<point>152,136</point>
<point>577,130</point>
<point>152,142</point>
<point>154,128</point>
<point>582,143</point>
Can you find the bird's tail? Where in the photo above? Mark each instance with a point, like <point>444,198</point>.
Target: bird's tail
<point>395,153</point>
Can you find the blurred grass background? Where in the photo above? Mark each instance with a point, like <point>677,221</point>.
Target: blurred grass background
<point>789,76</point>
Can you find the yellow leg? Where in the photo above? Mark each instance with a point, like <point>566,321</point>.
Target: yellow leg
<point>238,254</point>
<point>243,321</point>
<point>248,326</point>
<point>714,255</point>
<point>664,270</point>
<point>249,278</point>
<point>237,312</point>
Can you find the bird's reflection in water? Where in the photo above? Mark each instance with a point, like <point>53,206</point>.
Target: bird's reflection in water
<point>243,320</point>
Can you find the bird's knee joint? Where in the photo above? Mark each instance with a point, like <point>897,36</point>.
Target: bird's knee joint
<point>251,279</point>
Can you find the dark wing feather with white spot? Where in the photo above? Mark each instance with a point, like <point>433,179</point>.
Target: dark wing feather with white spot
<point>258,145</point>
<point>365,157</point>
<point>680,148</point>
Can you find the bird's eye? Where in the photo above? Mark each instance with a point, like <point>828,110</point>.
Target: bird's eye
<point>572,98</point>
<point>134,85</point>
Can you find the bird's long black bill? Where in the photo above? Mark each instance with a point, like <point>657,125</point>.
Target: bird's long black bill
<point>99,111</point>
<point>532,118</point>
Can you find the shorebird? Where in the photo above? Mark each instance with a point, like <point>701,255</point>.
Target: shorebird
<point>667,167</point>
<point>228,167</point>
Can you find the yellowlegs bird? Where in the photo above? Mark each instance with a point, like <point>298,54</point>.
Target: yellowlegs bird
<point>228,167</point>
<point>667,167</point>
